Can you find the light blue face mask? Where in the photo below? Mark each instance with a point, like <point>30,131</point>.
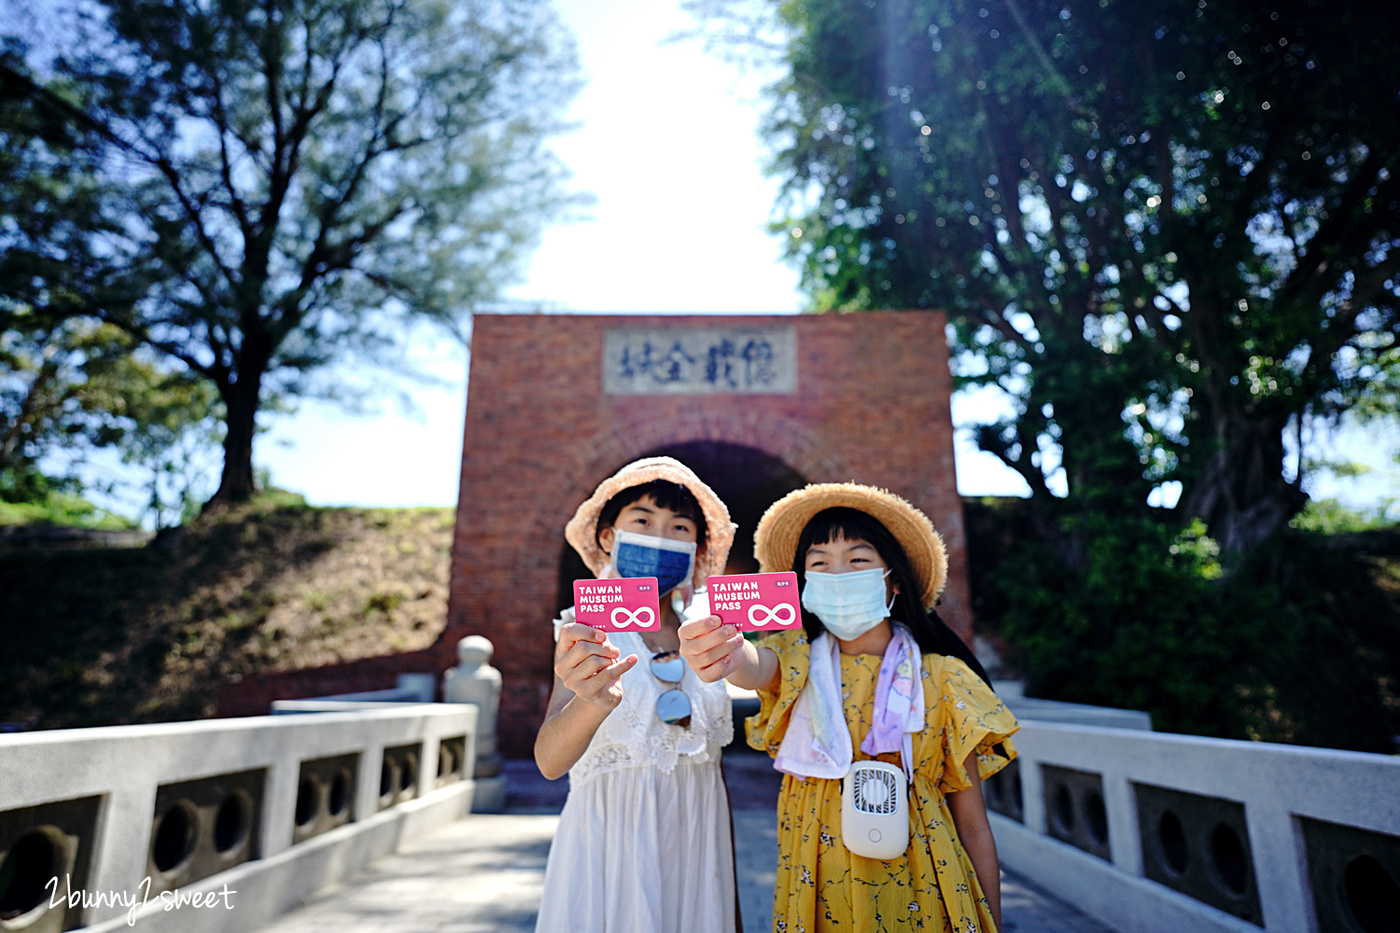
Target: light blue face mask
<point>670,562</point>
<point>848,604</point>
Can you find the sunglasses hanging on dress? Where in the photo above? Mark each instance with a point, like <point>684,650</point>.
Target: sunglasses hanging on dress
<point>673,706</point>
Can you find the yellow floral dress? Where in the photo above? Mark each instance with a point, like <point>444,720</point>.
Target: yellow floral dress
<point>821,885</point>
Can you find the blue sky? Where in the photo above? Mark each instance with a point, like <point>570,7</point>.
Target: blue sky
<point>668,143</point>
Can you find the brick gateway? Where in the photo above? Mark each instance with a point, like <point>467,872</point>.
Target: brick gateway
<point>756,405</point>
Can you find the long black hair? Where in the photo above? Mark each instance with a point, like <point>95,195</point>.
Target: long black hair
<point>930,632</point>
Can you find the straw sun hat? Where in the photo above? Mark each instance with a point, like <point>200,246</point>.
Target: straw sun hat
<point>581,531</point>
<point>775,540</point>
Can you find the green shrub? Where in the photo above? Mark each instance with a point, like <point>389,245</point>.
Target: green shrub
<point>1330,517</point>
<point>1294,647</point>
<point>61,508</point>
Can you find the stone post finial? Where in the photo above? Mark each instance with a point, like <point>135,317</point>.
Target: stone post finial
<point>474,650</point>
<point>475,681</point>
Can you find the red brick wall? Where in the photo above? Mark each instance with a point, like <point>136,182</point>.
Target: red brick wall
<point>253,696</point>
<point>872,405</point>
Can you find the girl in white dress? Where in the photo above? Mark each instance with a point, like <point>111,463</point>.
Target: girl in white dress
<point>644,841</point>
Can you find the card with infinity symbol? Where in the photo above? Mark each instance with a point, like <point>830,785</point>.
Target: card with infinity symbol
<point>628,604</point>
<point>756,601</point>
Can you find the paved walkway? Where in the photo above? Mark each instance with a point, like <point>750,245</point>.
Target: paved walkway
<point>485,874</point>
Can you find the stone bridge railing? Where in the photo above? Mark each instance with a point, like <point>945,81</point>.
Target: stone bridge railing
<point>1158,833</point>
<point>222,824</point>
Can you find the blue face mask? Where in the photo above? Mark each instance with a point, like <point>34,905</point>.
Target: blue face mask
<point>848,604</point>
<point>670,562</point>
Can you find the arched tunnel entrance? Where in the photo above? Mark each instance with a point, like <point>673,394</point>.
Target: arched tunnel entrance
<point>746,478</point>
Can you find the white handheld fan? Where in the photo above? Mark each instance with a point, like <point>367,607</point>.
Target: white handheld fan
<point>875,810</point>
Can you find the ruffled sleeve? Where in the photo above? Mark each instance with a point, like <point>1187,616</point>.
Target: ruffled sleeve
<point>766,728</point>
<point>973,719</point>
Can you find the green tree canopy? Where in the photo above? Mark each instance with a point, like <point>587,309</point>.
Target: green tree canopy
<point>70,385</point>
<point>258,189</point>
<point>1168,231</point>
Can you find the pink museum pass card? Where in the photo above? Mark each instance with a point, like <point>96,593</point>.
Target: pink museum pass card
<point>626,605</point>
<point>756,601</point>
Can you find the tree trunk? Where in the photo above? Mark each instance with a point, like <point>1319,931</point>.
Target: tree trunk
<point>242,398</point>
<point>237,484</point>
<point>1241,494</point>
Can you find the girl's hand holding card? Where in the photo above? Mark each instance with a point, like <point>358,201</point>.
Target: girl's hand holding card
<point>587,664</point>
<point>714,646</point>
<point>711,648</point>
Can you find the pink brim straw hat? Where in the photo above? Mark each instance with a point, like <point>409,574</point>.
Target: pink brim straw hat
<point>581,531</point>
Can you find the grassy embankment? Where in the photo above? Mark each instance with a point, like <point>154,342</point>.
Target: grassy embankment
<point>117,635</point>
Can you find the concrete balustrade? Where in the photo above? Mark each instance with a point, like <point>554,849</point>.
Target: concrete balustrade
<point>253,815</point>
<point>1148,832</point>
<point>1158,833</point>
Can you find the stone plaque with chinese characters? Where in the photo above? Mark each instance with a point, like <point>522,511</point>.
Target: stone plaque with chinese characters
<point>700,361</point>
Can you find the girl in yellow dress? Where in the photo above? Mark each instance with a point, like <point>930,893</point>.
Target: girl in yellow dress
<point>869,565</point>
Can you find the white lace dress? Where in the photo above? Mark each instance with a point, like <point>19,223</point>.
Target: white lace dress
<point>644,841</point>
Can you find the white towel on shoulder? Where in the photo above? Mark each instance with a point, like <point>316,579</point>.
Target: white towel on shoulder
<point>817,742</point>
